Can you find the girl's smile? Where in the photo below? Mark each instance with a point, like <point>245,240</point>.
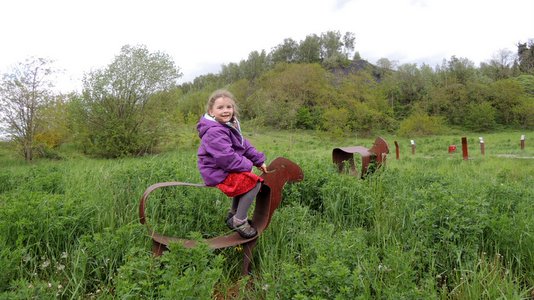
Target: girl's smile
<point>222,110</point>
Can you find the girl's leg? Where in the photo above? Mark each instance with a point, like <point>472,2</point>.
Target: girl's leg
<point>245,201</point>
<point>235,203</point>
<point>233,209</point>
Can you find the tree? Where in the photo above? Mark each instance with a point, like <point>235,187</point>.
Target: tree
<point>255,65</point>
<point>53,128</point>
<point>405,87</point>
<point>331,44</point>
<point>386,64</point>
<point>500,66</point>
<point>285,52</point>
<point>525,54</point>
<point>505,96</point>
<point>348,43</point>
<point>309,50</point>
<point>115,100</point>
<point>23,94</point>
<point>461,69</point>
<point>331,49</point>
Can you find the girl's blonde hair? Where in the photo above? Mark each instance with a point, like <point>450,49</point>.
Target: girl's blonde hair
<point>222,93</point>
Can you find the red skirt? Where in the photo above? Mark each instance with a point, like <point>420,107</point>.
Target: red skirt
<point>236,184</point>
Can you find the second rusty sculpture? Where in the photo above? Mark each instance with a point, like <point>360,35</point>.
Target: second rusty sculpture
<point>377,154</point>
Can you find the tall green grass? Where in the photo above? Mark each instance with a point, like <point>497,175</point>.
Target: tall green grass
<point>427,226</point>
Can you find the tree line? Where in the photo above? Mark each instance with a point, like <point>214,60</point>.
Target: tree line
<point>134,105</point>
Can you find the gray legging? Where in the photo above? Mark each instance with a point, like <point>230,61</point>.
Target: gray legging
<point>241,203</point>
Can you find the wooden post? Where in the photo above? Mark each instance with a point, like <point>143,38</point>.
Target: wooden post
<point>522,142</point>
<point>413,146</point>
<point>482,149</point>
<point>397,149</point>
<point>464,148</point>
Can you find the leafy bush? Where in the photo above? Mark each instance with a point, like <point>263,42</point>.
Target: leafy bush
<point>421,125</point>
<point>480,117</point>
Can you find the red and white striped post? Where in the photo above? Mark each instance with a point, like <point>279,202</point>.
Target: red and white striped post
<point>482,148</point>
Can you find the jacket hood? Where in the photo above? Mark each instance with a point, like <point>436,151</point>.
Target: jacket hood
<point>205,123</point>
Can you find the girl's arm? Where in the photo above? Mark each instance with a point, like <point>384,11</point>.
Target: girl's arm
<point>218,144</point>
<point>257,157</point>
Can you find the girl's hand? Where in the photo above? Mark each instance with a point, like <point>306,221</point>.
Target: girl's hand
<point>263,168</point>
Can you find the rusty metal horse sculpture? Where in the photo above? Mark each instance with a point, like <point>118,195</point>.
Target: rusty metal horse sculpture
<point>376,154</point>
<point>281,170</point>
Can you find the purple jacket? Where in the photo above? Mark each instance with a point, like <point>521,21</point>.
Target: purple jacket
<point>223,150</point>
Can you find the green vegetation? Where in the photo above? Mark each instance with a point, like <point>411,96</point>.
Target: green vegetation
<point>427,226</point>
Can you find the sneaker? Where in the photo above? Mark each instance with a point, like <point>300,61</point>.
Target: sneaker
<point>228,219</point>
<point>244,229</point>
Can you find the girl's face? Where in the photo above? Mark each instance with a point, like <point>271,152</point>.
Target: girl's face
<point>222,110</point>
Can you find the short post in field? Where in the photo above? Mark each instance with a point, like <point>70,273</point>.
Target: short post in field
<point>464,148</point>
<point>482,148</point>
<point>397,150</point>
<point>452,149</point>
<point>522,142</point>
<point>412,142</point>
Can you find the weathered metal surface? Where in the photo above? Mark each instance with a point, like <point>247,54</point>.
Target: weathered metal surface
<point>281,170</point>
<point>377,154</point>
<point>464,148</point>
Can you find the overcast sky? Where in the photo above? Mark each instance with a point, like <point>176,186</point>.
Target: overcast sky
<point>201,35</point>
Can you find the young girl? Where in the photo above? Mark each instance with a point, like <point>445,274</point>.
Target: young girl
<point>226,158</point>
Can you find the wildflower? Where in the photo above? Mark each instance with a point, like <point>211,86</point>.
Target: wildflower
<point>384,268</point>
<point>64,254</point>
<point>60,267</point>
<point>45,264</point>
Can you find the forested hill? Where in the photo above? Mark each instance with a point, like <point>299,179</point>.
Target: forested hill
<point>332,88</point>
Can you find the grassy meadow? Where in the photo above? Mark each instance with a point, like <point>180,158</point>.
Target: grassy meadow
<point>429,225</point>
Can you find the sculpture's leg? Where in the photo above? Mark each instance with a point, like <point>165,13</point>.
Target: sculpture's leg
<point>157,248</point>
<point>247,256</point>
<point>340,157</point>
<point>365,164</point>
